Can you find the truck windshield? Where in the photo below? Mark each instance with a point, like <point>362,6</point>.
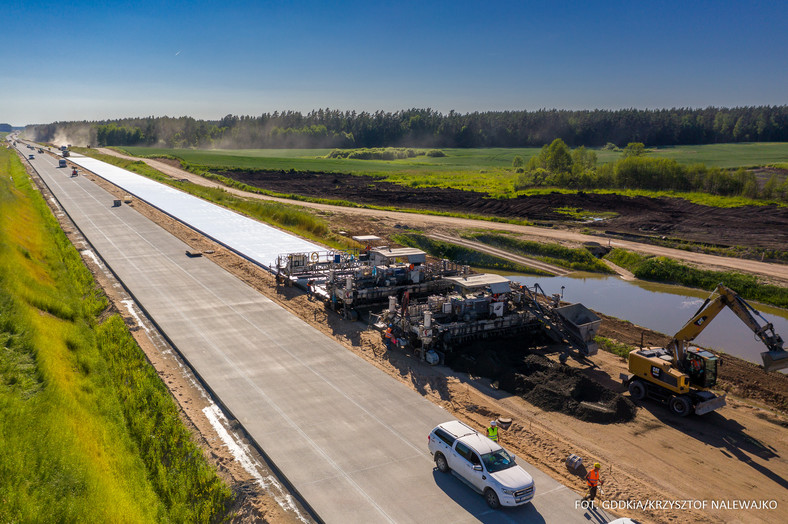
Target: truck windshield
<point>497,461</point>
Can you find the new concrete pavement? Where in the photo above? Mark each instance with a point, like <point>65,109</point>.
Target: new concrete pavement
<point>350,439</point>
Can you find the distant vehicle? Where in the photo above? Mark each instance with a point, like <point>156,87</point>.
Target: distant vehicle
<point>31,157</point>
<point>61,162</point>
<point>40,150</point>
<point>75,172</point>
<point>481,463</point>
<point>63,148</point>
<point>65,153</point>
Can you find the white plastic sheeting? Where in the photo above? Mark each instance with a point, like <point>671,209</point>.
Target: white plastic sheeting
<point>254,240</point>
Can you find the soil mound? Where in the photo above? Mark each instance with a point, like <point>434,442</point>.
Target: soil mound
<point>550,386</point>
<point>561,388</point>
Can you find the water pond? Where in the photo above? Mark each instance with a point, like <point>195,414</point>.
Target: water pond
<point>662,308</point>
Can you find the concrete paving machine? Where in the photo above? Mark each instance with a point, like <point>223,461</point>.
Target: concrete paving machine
<point>481,306</point>
<point>680,375</point>
<point>348,280</point>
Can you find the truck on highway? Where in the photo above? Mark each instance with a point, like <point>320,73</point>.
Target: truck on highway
<point>61,162</point>
<point>480,463</point>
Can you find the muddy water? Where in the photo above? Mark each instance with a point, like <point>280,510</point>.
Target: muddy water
<point>663,308</point>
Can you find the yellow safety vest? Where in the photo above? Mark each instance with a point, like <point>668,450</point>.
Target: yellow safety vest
<point>492,432</point>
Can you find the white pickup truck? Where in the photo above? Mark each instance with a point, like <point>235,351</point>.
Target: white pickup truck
<point>481,463</point>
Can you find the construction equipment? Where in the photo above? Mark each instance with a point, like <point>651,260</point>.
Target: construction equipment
<point>680,375</point>
<point>350,280</point>
<point>481,306</point>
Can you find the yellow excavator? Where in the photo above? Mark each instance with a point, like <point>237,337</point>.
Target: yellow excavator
<point>680,374</point>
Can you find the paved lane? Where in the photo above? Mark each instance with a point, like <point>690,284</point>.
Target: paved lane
<point>348,437</point>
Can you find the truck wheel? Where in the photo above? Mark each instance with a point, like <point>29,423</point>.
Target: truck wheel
<point>492,498</point>
<point>681,406</point>
<point>637,390</point>
<point>443,465</point>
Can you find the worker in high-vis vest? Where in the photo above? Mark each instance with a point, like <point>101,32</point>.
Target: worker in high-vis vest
<point>593,481</point>
<point>492,431</point>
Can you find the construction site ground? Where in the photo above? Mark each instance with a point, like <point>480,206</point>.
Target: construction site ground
<point>758,226</point>
<point>736,454</point>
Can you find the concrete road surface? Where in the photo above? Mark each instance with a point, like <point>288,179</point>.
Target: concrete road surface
<point>350,439</point>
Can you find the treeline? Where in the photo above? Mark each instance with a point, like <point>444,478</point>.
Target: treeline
<point>326,128</point>
<point>558,166</point>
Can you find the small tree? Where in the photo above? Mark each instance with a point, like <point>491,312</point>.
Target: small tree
<point>583,159</point>
<point>770,188</point>
<point>517,161</point>
<point>634,149</point>
<point>557,158</point>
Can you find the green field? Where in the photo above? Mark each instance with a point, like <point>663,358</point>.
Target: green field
<point>719,155</point>
<point>486,170</point>
<point>88,431</point>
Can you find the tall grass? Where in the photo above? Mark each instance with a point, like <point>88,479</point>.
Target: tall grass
<point>462,255</point>
<point>662,269</point>
<point>76,447</point>
<point>556,254</point>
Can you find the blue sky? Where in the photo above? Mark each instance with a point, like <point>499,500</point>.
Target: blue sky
<point>83,60</point>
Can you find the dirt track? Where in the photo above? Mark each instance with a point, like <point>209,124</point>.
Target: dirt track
<point>737,453</point>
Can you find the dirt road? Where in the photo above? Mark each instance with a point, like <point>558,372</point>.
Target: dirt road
<point>448,224</point>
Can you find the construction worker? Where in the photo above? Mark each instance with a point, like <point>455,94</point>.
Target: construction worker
<point>593,481</point>
<point>389,339</point>
<point>492,431</point>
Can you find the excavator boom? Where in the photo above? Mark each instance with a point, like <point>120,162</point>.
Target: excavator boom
<point>775,358</point>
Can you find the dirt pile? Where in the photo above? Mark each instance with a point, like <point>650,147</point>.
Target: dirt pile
<point>543,383</point>
<point>555,387</point>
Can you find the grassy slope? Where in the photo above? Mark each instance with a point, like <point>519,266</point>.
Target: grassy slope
<point>77,445</point>
<point>661,269</point>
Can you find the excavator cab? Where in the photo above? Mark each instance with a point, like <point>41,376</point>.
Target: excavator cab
<point>701,366</point>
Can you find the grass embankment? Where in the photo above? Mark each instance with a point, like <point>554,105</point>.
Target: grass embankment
<point>463,255</point>
<point>556,254</point>
<point>748,252</point>
<point>662,269</point>
<point>88,431</point>
<point>611,346</point>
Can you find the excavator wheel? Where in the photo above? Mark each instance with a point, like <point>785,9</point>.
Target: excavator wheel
<point>681,406</point>
<point>637,390</point>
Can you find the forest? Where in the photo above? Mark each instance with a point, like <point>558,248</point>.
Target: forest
<point>326,128</point>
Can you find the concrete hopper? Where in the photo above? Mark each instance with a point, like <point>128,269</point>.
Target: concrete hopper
<point>582,323</point>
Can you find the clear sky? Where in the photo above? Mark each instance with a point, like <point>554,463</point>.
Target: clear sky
<point>90,60</point>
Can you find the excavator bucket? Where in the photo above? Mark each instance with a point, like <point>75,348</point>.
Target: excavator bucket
<point>775,360</point>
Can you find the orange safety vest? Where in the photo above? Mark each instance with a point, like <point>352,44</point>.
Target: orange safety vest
<point>492,432</point>
<point>593,477</point>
